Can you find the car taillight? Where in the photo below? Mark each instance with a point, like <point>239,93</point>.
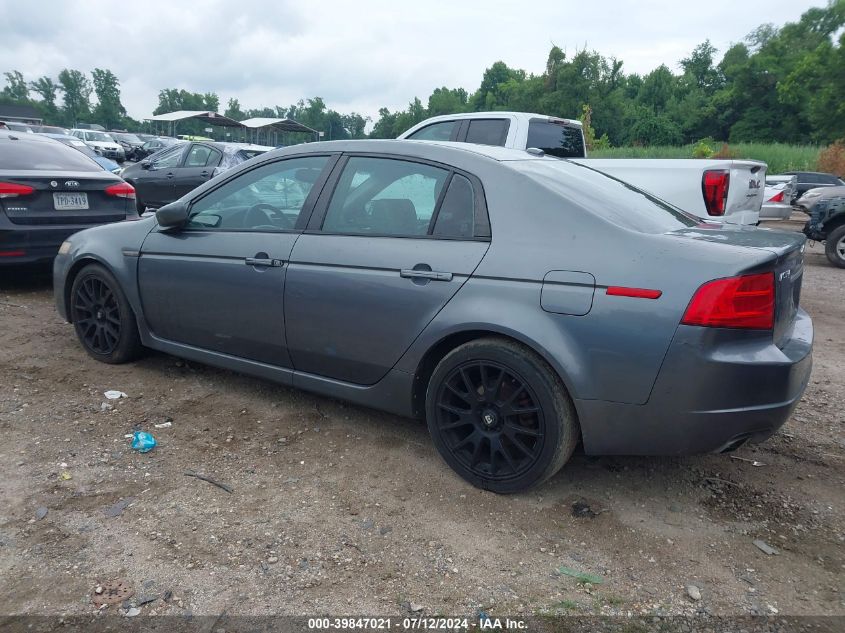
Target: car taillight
<point>11,190</point>
<point>121,190</point>
<point>736,302</point>
<point>778,197</point>
<point>714,186</point>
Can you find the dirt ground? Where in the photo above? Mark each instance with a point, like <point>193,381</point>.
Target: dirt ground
<point>340,509</point>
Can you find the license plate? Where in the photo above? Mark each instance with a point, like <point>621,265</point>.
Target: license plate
<point>70,201</point>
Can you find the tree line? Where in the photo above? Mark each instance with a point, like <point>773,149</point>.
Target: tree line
<point>783,84</point>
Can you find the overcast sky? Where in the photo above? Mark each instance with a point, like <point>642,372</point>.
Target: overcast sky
<point>357,55</point>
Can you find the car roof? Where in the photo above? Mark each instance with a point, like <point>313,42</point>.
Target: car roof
<point>412,148</point>
<point>498,114</point>
<point>26,137</point>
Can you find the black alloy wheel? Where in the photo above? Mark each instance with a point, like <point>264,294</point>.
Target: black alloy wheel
<point>102,317</point>
<point>500,416</point>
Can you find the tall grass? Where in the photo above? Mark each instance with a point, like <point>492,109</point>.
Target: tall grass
<point>779,157</point>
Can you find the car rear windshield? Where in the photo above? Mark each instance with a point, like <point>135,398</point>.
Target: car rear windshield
<point>556,138</point>
<point>605,196</point>
<point>42,156</point>
<point>129,138</point>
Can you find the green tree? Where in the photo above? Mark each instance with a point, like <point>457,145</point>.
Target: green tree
<point>76,89</point>
<point>16,88</point>
<point>109,111</point>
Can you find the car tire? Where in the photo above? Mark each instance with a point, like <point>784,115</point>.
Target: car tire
<point>102,317</point>
<point>834,246</point>
<point>500,416</point>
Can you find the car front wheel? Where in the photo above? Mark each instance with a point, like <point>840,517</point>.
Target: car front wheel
<point>834,247</point>
<point>500,416</point>
<point>102,317</point>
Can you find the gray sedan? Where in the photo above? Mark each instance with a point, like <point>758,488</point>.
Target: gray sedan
<point>519,303</point>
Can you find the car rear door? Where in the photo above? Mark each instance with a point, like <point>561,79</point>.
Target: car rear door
<point>218,283</point>
<point>384,253</point>
<point>197,167</point>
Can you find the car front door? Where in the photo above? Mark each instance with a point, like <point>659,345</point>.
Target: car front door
<point>218,282</point>
<point>154,185</point>
<point>382,256</point>
<point>197,167</point>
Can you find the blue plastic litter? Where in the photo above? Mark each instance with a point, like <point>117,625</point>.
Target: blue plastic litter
<point>143,442</point>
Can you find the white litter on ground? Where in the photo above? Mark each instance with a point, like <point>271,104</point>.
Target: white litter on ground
<point>114,395</point>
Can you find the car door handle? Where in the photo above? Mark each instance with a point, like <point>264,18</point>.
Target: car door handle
<point>169,174</point>
<point>204,174</point>
<point>425,274</point>
<point>261,261</point>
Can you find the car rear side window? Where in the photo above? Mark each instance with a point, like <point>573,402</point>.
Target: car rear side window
<point>556,138</point>
<point>488,131</point>
<point>381,196</point>
<point>456,216</point>
<point>198,156</point>
<point>43,156</point>
<point>435,132</point>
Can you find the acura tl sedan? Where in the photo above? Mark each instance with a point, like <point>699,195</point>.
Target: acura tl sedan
<point>519,303</point>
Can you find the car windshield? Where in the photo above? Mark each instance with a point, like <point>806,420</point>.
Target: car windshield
<point>606,196</point>
<point>129,138</point>
<point>100,137</point>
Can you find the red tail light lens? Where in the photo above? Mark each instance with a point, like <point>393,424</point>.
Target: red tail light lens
<point>121,190</point>
<point>778,197</point>
<point>714,186</point>
<point>11,190</point>
<point>746,302</point>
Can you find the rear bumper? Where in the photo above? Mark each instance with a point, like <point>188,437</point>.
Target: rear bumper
<point>716,389</point>
<point>775,211</point>
<point>32,244</point>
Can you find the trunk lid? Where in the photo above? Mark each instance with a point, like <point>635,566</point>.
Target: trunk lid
<point>787,264</point>
<point>54,190</point>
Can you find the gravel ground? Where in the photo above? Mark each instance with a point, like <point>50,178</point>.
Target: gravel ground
<point>341,509</point>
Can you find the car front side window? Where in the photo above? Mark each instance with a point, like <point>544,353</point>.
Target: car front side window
<point>267,198</point>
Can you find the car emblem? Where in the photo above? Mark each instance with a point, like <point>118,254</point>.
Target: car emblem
<point>53,183</point>
<point>71,183</point>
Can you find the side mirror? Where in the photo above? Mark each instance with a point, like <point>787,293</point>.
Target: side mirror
<point>172,215</point>
<point>145,164</point>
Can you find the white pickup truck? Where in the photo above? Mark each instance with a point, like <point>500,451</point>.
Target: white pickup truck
<point>728,191</point>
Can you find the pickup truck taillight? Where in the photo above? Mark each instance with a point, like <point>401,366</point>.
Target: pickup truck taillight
<point>714,186</point>
<point>746,302</point>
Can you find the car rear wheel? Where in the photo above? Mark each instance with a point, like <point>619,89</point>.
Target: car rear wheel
<point>500,416</point>
<point>102,317</point>
<point>834,247</point>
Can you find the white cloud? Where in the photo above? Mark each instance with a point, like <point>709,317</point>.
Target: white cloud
<point>357,56</point>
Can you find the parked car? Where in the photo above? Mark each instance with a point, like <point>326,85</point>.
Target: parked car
<point>518,302</point>
<point>778,197</point>
<point>49,191</point>
<point>106,163</point>
<point>130,143</point>
<point>715,189</point>
<point>153,145</point>
<point>51,129</point>
<point>812,180</point>
<point>14,126</point>
<point>175,171</point>
<point>826,208</point>
<point>102,143</point>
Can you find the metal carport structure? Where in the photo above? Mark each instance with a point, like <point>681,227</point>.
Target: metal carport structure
<point>276,126</point>
<point>206,116</point>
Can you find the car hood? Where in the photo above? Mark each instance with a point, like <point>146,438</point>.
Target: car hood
<point>104,144</point>
<point>824,192</point>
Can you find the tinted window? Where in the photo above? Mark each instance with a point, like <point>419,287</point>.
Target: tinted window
<point>435,132</point>
<point>168,158</point>
<point>198,156</point>
<point>457,213</point>
<point>382,196</point>
<point>213,158</point>
<point>43,156</point>
<point>594,192</point>
<point>268,198</point>
<point>488,131</point>
<point>556,139</point>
